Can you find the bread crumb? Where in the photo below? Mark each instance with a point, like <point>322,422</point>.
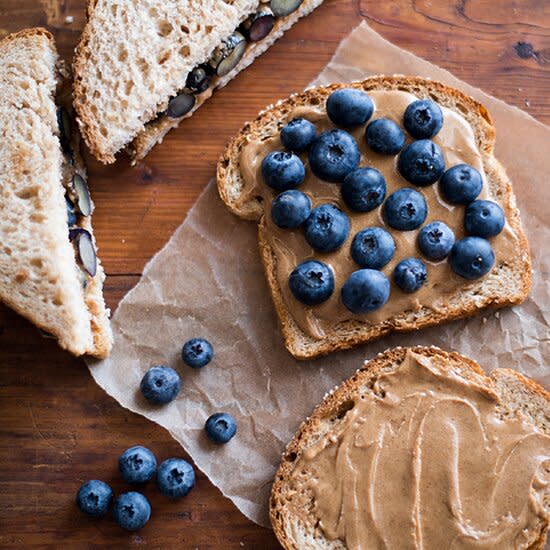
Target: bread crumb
<point>497,314</point>
<point>527,103</point>
<point>484,320</point>
<point>69,19</point>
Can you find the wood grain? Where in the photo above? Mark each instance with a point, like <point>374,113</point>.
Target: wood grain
<point>58,427</point>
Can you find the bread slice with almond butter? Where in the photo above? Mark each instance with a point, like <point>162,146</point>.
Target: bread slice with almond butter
<point>467,136</point>
<point>49,272</point>
<point>142,67</point>
<point>419,449</point>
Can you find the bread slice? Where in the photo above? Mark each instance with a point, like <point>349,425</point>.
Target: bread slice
<point>514,393</point>
<point>508,283</point>
<point>39,275</point>
<point>134,56</point>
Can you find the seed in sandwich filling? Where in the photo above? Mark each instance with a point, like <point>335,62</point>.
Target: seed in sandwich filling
<point>65,130</point>
<point>83,199</point>
<point>180,105</point>
<point>82,240</point>
<point>258,25</point>
<point>228,54</point>
<point>284,7</point>
<point>199,79</point>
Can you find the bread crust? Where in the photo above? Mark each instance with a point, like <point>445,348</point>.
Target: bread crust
<point>352,333</point>
<point>312,428</point>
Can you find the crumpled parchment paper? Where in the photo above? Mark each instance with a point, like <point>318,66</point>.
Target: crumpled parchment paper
<point>208,281</point>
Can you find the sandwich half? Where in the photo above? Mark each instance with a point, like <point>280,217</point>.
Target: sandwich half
<point>419,449</point>
<point>143,66</point>
<point>49,271</point>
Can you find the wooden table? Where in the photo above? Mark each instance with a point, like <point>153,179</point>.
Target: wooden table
<point>57,427</point>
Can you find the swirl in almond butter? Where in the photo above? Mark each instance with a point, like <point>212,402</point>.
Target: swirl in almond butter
<point>426,461</point>
<point>458,144</point>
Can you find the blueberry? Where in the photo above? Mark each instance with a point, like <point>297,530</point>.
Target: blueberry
<point>282,170</point>
<point>349,107</point>
<point>298,134</point>
<point>410,274</point>
<point>197,352</point>
<point>137,464</point>
<point>461,184</point>
<point>472,257</point>
<point>94,498</point>
<point>175,477</point>
<point>423,119</point>
<point>290,209</point>
<point>326,228</point>
<point>435,240</point>
<point>484,219</point>
<point>131,511</point>
<point>372,247</point>
<point>421,162</point>
<point>365,290</point>
<point>384,136</point>
<point>364,189</point>
<point>71,213</point>
<point>405,209</point>
<point>333,155</point>
<point>220,427</point>
<point>160,385</point>
<point>312,282</point>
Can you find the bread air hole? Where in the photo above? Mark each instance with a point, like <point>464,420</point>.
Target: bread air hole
<point>343,409</point>
<point>290,457</point>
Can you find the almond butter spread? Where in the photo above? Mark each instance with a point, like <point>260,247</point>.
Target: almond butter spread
<point>426,460</point>
<point>458,143</point>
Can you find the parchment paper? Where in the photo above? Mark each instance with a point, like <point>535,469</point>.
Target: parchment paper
<point>208,281</point>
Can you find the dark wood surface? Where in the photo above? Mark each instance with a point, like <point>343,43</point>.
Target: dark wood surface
<point>57,428</point>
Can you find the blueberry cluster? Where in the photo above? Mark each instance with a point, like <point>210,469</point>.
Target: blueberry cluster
<point>138,465</point>
<point>334,157</point>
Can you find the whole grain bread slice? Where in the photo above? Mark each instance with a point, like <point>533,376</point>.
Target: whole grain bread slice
<point>38,270</point>
<point>134,56</point>
<point>508,283</point>
<point>514,391</point>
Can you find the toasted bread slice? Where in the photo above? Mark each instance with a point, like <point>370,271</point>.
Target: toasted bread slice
<point>39,275</point>
<point>293,511</point>
<point>508,283</point>
<point>134,56</point>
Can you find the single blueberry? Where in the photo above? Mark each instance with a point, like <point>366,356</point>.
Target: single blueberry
<point>137,464</point>
<point>160,385</point>
<point>406,209</point>
<point>421,162</point>
<point>71,213</point>
<point>484,219</point>
<point>220,427</point>
<point>364,189</point>
<point>472,257</point>
<point>384,136</point>
<point>435,240</point>
<point>312,282</point>
<point>197,352</point>
<point>94,498</point>
<point>365,290</point>
<point>410,274</point>
<point>349,107</point>
<point>290,209</point>
<point>333,155</point>
<point>423,119</point>
<point>461,184</point>
<point>372,247</point>
<point>282,170</point>
<point>175,477</point>
<point>326,228</point>
<point>298,134</point>
<point>131,511</point>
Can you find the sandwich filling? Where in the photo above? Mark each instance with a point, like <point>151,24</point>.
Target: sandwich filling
<point>427,459</point>
<point>288,247</point>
